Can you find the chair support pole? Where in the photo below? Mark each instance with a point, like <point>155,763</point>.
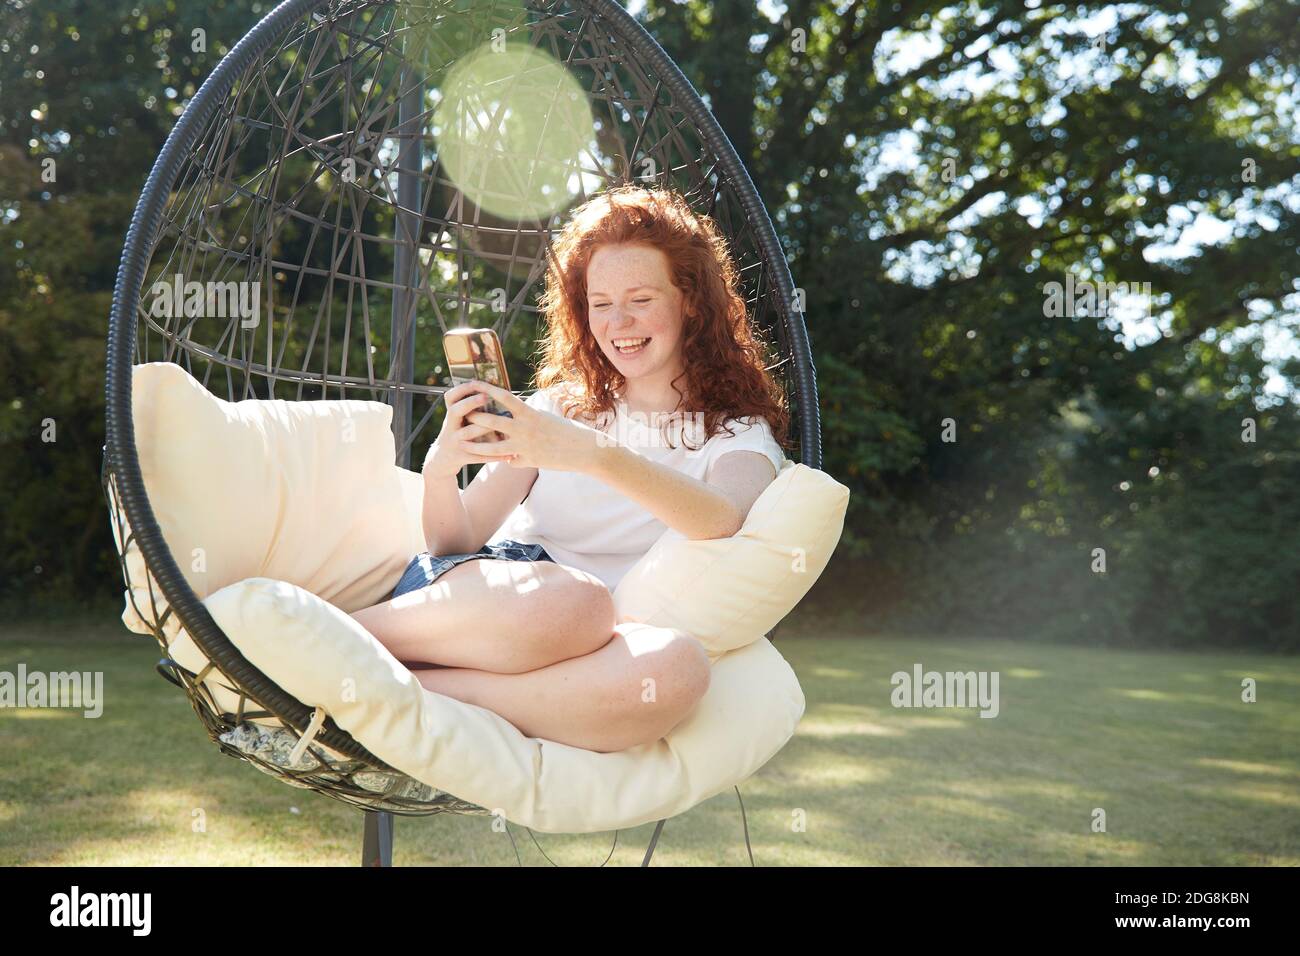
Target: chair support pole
<point>407,229</point>
<point>377,844</point>
<point>654,840</point>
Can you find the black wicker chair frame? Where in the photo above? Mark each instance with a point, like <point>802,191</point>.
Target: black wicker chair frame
<point>305,164</point>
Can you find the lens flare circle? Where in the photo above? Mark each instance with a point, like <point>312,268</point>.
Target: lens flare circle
<point>512,127</point>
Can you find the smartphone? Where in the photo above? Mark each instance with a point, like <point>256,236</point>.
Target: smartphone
<point>476,354</point>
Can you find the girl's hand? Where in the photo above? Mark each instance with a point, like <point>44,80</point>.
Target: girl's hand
<point>453,449</point>
<point>534,438</point>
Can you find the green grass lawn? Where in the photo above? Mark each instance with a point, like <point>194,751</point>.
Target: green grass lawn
<point>1186,772</point>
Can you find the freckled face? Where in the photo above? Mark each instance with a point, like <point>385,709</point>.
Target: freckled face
<point>634,311</point>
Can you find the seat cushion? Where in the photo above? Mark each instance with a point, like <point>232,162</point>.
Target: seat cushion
<point>749,712</point>
<point>728,592</point>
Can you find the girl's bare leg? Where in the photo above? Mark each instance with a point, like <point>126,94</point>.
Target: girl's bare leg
<point>507,617</point>
<point>633,690</point>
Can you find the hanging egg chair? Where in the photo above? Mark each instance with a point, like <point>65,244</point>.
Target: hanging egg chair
<point>371,174</point>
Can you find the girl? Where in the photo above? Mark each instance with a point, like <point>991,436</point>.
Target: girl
<point>653,412</point>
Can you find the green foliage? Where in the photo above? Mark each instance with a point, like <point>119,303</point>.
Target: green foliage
<point>925,202</point>
<point>1040,141</point>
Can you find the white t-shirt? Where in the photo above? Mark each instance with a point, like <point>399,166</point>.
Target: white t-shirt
<point>586,524</point>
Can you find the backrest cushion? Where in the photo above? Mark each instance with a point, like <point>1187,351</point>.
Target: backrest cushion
<point>728,592</point>
<point>305,492</point>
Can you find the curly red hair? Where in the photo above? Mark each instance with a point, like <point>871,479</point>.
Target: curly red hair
<point>724,375</point>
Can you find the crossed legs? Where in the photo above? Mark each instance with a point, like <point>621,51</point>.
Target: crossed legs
<point>536,643</point>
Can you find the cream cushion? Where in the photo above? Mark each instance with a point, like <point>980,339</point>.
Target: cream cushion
<point>305,492</point>
<point>727,592</point>
<point>284,515</point>
<point>748,713</point>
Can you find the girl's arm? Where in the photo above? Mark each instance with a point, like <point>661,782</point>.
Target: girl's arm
<point>456,523</point>
<point>693,508</point>
<point>446,524</point>
<point>459,523</point>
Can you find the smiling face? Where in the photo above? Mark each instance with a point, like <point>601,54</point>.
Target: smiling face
<point>635,313</point>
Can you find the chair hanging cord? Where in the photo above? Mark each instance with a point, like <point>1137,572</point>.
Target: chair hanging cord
<point>745,824</point>
<point>548,859</point>
<point>317,719</point>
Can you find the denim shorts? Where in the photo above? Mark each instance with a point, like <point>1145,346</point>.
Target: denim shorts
<point>425,568</point>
